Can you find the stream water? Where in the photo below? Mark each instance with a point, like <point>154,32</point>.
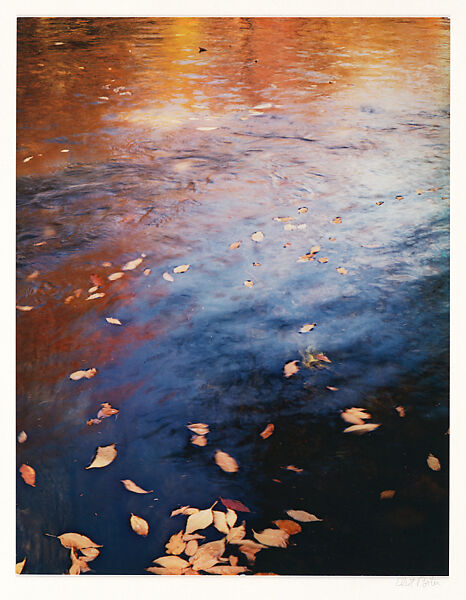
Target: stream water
<point>142,144</point>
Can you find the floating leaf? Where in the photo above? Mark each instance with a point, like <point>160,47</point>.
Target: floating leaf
<point>289,227</point>
<point>207,555</point>
<point>401,411</point>
<point>432,461</point>
<point>332,389</point>
<point>291,527</point>
<point>307,327</point>
<point>93,421</point>
<point>283,219</point>
<point>147,272</point>
<point>306,258</point>
<point>78,564</point>
<point>332,239</point>
<point>139,525</point>
<point>323,259</point>
<point>199,440</point>
<point>250,551</point>
<point>272,537</point>
<point>205,128</point>
<point>226,462</point>
<point>171,561</point>
<point>303,209</point>
<point>234,505</point>
<point>176,544</point>
<point>337,220</point>
<point>77,541</point>
<point>24,308</point>
<point>33,275</point>
<point>96,280</point>
<point>248,283</point>
<point>165,570</point>
<point>302,515</point>
<point>90,553</point>
<point>257,236</point>
<point>225,570</point>
<point>233,560</point>
<point>379,203</point>
<point>113,321</point>
<point>342,270</point>
<point>231,517</point>
<point>387,494</point>
<point>235,245</point>
<point>191,547</point>
<point>267,431</point>
<point>96,296</point>
<point>291,368</point>
<point>93,289</point>
<point>20,566</point>
<point>262,106</point>
<point>107,410</point>
<point>28,474</point>
<point>132,487</point>
<point>181,269</point>
<point>323,358</point>
<point>351,418</point>
<point>293,468</point>
<point>193,536</point>
<point>77,375</point>
<point>22,437</point>
<point>236,534</point>
<point>256,264</point>
<point>360,429</point>
<point>104,456</point>
<point>106,264</point>
<point>220,521</point>
<point>132,264</point>
<point>184,510</point>
<point>198,428</point>
<point>199,520</point>
<point>168,277</point>
<point>315,249</point>
<point>115,276</point>
<point>27,159</point>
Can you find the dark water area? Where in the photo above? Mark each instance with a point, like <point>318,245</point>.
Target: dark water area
<point>340,116</point>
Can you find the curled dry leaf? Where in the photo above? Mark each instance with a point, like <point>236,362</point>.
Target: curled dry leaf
<point>267,431</point>
<point>307,327</point>
<point>433,462</point>
<point>303,209</point>
<point>272,537</point>
<point>181,269</point>
<point>360,429</point>
<point>171,561</point>
<point>198,428</point>
<point>77,375</point>
<point>90,553</point>
<point>78,564</point>
<point>342,270</point>
<point>132,487</point>
<point>226,462</point>
<point>234,505</point>
<point>302,515</point>
<point>225,570</point>
<point>95,296</point>
<point>291,527</point>
<point>248,283</point>
<point>107,410</point>
<point>235,245</point>
<point>184,510</point>
<point>199,440</point>
<point>28,474</point>
<point>24,308</point>
<point>291,368</point>
<point>77,541</point>
<point>176,544</point>
<point>139,525</point>
<point>104,456</point>
<point>115,276</point>
<point>387,494</point>
<point>168,277</point>
<point>22,437</point>
<point>220,521</point>
<point>132,264</point>
<point>337,220</point>
<point>199,520</point>
<point>20,566</point>
<point>113,321</point>
<point>257,236</point>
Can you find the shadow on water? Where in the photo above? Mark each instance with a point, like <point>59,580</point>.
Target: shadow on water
<point>173,167</point>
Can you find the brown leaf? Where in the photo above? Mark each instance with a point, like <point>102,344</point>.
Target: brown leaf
<point>359,412</point>
<point>323,358</point>
<point>184,510</point>
<point>199,440</point>
<point>106,264</point>
<point>235,245</point>
<point>226,462</point>
<point>132,264</point>
<point>107,411</point>
<point>233,560</point>
<point>225,570</point>
<point>90,553</point>
<point>171,562</point>
<point>360,429</point>
<point>199,520</point>
<point>272,537</point>
<point>139,525</point>
<point>291,368</point>
<point>234,505</point>
<point>176,544</point>
<point>307,327</point>
<point>181,269</point>
<point>93,421</point>
<point>249,551</point>
<point>302,210</point>
<point>191,547</point>
<point>332,389</point>
<point>332,239</point>
<point>342,270</point>
<point>115,276</point>
<point>399,197</point>
<point>293,468</point>
<point>401,411</point>
<point>257,236</point>
<point>267,431</point>
<point>132,487</point>
<point>337,220</point>
<point>77,375</point>
<point>387,494</point>
<point>291,527</point>
<point>96,296</point>
<point>168,277</point>
<point>77,541</point>
<point>22,437</point>
<point>104,456</point>
<point>33,275</point>
<point>28,474</point>
<point>199,428</point>
<point>249,283</point>
<point>20,566</point>
<point>78,564</point>
<point>306,258</point>
<point>96,280</point>
<point>302,515</point>
<point>113,321</point>
<point>379,203</point>
<point>433,462</point>
<point>220,521</point>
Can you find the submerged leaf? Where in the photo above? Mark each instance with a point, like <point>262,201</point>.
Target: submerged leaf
<point>28,474</point>
<point>342,270</point>
<point>104,456</point>
<point>139,525</point>
<point>387,494</point>
<point>226,462</point>
<point>107,410</point>
<point>132,487</point>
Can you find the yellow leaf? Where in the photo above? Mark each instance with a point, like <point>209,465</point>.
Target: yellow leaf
<point>132,487</point>
<point>22,437</point>
<point>80,374</point>
<point>360,429</point>
<point>24,308</point>
<point>199,440</point>
<point>103,457</point>
<point>220,521</point>
<point>181,269</point>
<point>33,275</point>
<point>77,540</point>
<point>132,264</point>
<point>27,159</point>
<point>28,474</point>
<point>193,536</point>
<point>272,537</point>
<point>342,270</point>
<point>257,236</point>
<point>139,525</point>
<point>235,245</point>
<point>267,431</point>
<point>231,517</point>
<point>307,327</point>
<point>248,283</point>
<point>96,296</point>
<point>78,564</point>
<point>256,264</point>
<point>171,562</point>
<point>291,368</point>
<point>400,410</point>
<point>337,220</point>
<point>115,276</point>
<point>113,321</point>
<point>199,520</point>
<point>199,428</point>
<point>433,462</point>
<point>20,566</point>
<point>293,468</point>
<point>387,494</point>
<point>323,259</point>
<point>167,276</point>
<point>351,418</point>
<point>302,210</point>
<point>289,526</point>
<point>176,544</point>
<point>315,249</point>
<point>226,462</point>
<point>302,515</point>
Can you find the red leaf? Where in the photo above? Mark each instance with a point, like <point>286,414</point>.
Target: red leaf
<point>234,505</point>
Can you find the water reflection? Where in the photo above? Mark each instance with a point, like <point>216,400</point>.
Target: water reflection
<point>174,154</point>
